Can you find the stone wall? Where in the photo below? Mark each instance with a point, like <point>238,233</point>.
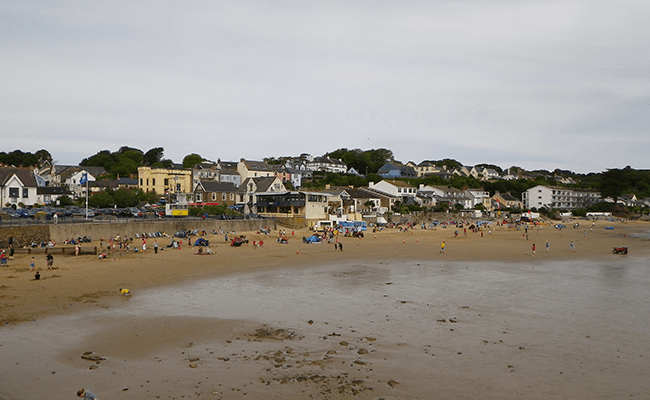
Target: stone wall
<point>24,235</point>
<point>60,232</point>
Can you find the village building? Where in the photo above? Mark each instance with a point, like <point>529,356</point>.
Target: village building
<point>558,197</point>
<point>17,186</point>
<point>214,193</point>
<point>506,200</point>
<point>254,169</point>
<point>394,188</point>
<point>294,204</point>
<point>396,170</point>
<point>165,180</point>
<point>251,187</point>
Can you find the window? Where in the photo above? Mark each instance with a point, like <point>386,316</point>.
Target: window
<point>199,197</point>
<point>232,196</point>
<point>214,196</point>
<point>25,193</point>
<point>153,182</point>
<point>166,182</point>
<point>223,196</point>
<point>13,192</point>
<point>140,181</point>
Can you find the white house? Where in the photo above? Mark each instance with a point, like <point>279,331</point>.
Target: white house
<point>394,188</point>
<point>447,194</point>
<point>327,164</point>
<point>479,196</point>
<point>17,185</point>
<point>558,197</point>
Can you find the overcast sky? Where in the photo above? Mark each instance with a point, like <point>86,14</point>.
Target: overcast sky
<point>536,84</point>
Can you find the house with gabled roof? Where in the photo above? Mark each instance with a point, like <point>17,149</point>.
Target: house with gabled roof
<point>383,202</point>
<point>254,169</point>
<point>396,170</point>
<point>205,171</point>
<point>479,196</point>
<point>506,200</point>
<point>394,188</point>
<point>485,174</point>
<point>446,194</point>
<point>339,202</point>
<point>426,168</point>
<point>288,174</point>
<point>247,192</point>
<point>70,175</point>
<point>17,185</point>
<point>327,164</point>
<point>211,193</point>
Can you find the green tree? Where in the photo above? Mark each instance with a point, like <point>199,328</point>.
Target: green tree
<point>19,159</point>
<point>615,182</point>
<point>101,199</point>
<point>153,156</point>
<point>191,160</point>
<point>124,197</point>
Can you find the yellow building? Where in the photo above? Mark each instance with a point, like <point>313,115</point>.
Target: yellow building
<point>163,180</point>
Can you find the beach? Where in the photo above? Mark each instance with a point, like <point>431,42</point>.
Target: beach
<point>390,316</point>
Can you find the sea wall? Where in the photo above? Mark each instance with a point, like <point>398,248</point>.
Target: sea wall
<point>26,234</point>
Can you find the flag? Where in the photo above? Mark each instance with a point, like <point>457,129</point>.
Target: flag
<point>84,178</point>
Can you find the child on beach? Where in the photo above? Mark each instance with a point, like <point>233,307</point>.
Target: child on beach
<point>32,266</point>
<point>125,292</point>
<point>86,394</point>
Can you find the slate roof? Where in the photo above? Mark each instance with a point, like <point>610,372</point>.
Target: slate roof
<point>218,187</point>
<point>256,165</point>
<point>25,175</point>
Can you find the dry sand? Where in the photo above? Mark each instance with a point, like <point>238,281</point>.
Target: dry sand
<point>85,283</point>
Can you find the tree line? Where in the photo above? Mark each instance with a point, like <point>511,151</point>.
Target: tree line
<point>125,162</point>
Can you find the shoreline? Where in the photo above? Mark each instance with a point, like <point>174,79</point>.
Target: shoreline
<point>87,281</point>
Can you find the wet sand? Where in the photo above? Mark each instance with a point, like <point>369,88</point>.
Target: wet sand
<point>389,317</point>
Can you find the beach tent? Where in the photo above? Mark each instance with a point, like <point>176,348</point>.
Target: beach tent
<point>313,239</point>
<point>201,242</point>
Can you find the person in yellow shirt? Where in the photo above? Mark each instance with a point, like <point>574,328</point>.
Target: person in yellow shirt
<point>125,292</point>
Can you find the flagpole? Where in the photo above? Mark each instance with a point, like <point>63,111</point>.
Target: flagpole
<point>86,195</point>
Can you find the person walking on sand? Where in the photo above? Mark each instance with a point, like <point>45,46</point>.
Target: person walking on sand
<point>155,246</point>
<point>547,247</point>
<point>442,247</point>
<point>573,246</point>
<point>86,394</point>
<point>32,265</point>
<point>340,246</point>
<point>533,249</point>
<point>49,258</point>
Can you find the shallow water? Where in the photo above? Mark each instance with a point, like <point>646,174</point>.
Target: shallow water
<point>523,330</point>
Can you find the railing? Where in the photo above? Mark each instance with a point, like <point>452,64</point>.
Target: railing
<point>18,222</point>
